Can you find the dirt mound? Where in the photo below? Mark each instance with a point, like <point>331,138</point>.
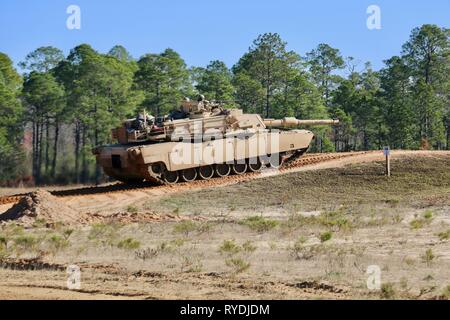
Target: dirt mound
<point>43,206</point>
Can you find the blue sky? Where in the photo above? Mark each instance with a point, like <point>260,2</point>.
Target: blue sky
<point>203,30</point>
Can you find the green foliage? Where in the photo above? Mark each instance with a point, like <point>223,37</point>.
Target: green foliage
<point>259,223</point>
<point>57,243</point>
<point>444,235</point>
<point>417,223</point>
<point>128,244</point>
<point>230,247</point>
<point>147,253</point>
<point>3,241</point>
<point>238,265</point>
<point>185,227</point>
<point>42,59</point>
<point>13,231</point>
<point>164,80</point>
<point>335,219</point>
<point>104,234</point>
<point>397,104</point>
<point>268,64</point>
<point>44,100</point>
<point>446,292</point>
<point>428,257</point>
<point>215,82</point>
<point>249,93</point>
<point>428,215</point>
<point>25,243</point>
<point>248,246</point>
<point>189,226</point>
<point>4,250</point>
<point>12,157</point>
<point>322,62</point>
<point>99,96</point>
<point>357,97</point>
<point>387,291</point>
<point>236,255</point>
<point>301,251</point>
<point>132,209</point>
<point>120,53</point>
<point>426,55</point>
<point>326,236</point>
<point>191,263</point>
<point>425,220</point>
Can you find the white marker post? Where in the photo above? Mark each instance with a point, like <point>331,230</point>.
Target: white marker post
<point>387,154</point>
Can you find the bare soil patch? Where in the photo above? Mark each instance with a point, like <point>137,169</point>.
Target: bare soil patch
<point>41,205</point>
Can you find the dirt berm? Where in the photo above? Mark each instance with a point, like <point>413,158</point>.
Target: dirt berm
<point>43,206</point>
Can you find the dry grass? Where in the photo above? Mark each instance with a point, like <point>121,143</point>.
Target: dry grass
<point>362,219</point>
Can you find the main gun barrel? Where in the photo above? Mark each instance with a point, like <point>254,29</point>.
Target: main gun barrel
<point>293,122</point>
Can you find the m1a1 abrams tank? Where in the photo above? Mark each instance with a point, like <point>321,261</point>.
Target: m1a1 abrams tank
<point>199,141</point>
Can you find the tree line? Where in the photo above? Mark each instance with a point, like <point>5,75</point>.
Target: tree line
<point>64,106</point>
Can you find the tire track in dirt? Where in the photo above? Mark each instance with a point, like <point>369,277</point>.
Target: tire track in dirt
<point>159,285</point>
<point>11,199</point>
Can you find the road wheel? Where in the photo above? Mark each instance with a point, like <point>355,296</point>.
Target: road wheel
<point>275,161</point>
<point>188,175</point>
<point>254,165</point>
<point>239,168</point>
<point>206,172</point>
<point>222,170</point>
<point>170,177</point>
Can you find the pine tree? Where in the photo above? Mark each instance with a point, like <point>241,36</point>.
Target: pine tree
<point>44,99</point>
<point>427,55</point>
<point>397,104</point>
<point>215,82</point>
<point>11,125</point>
<point>322,62</point>
<point>99,95</point>
<point>265,62</point>
<point>164,80</point>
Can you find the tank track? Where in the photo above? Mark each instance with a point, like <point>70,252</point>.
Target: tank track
<point>285,160</point>
<point>296,155</point>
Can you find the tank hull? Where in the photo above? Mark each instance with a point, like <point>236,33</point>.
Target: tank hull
<point>157,162</point>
